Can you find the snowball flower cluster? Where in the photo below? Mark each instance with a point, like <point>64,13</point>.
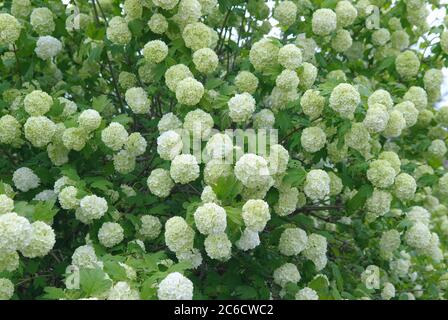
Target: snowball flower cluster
<point>155,51</point>
<point>114,136</point>
<point>179,236</point>
<point>175,287</point>
<point>246,81</point>
<point>241,107</point>
<point>292,241</point>
<point>189,91</point>
<point>323,22</point>
<point>313,139</point>
<point>218,246</point>
<point>110,234</point>
<point>381,174</point>
<point>137,99</point>
<point>210,218</point>
<point>344,99</point>
<point>41,242</point>
<point>317,184</point>
<point>91,208</point>
<point>25,179</point>
<point>10,29</point>
<point>252,171</point>
<point>118,31</point>
<point>184,168</point>
<point>287,273</point>
<point>159,182</point>
<point>41,20</point>
<point>150,227</point>
<point>47,47</point>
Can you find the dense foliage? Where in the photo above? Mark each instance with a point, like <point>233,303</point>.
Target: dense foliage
<point>100,198</point>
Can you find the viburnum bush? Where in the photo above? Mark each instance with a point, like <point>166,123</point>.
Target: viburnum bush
<point>321,171</point>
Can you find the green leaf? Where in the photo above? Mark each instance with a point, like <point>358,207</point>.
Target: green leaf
<point>359,198</point>
<point>115,270</point>
<point>295,177</point>
<point>93,281</point>
<point>100,103</point>
<point>45,211</point>
<point>52,293</point>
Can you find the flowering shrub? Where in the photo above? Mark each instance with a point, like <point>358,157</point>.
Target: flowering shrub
<point>204,149</point>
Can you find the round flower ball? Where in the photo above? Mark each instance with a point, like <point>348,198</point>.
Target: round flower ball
<point>249,240</point>
<point>263,54</point>
<point>205,60</point>
<point>210,218</point>
<point>198,123</point>
<point>158,23</point>
<point>380,96</point>
<point>255,213</point>
<point>407,64</point>
<point>47,47</point>
<point>380,37</point>
<point>252,170</point>
<point>317,184</point>
<point>246,81</point>
<point>376,118</point>
<point>68,198</point>
<point>10,129</point>
<point>6,289</point>
<point>313,139</point>
<point>381,174</point>
<point>114,136</point>
<point>346,13</point>
<point>342,41</point>
<point>91,208</point>
<point>395,125</point>
<point>42,240</point>
<point>344,99</point>
<point>418,236</point>
<point>135,144</point>
<point>150,227</point>
<point>25,179</point>
<point>39,130</point>
<point>118,31</point>
<point>169,145</point>
<point>290,56</point>
<point>292,241</point>
<point>89,120</point>
<point>241,107</point>
<point>74,138</point>
<point>265,119</point>
<point>409,111</point>
<point>306,294</point>
<point>197,36</point>
<point>175,74</point>
<point>285,13</point>
<point>287,273</point>
<point>169,121</point>
<point>159,183</point>
<point>110,234</point>
<point>287,80</point>
<point>124,162</point>
<point>218,246</point>
<point>189,91</point>
<point>175,286</point>
<point>179,236</point>
<point>41,20</point>
<point>184,169</point>
<point>312,103</point>
<point>155,51</point>
<point>137,99</point>
<point>6,204</point>
<point>324,22</point>
<point>405,186</point>
<point>10,29</point>
<point>16,232</point>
